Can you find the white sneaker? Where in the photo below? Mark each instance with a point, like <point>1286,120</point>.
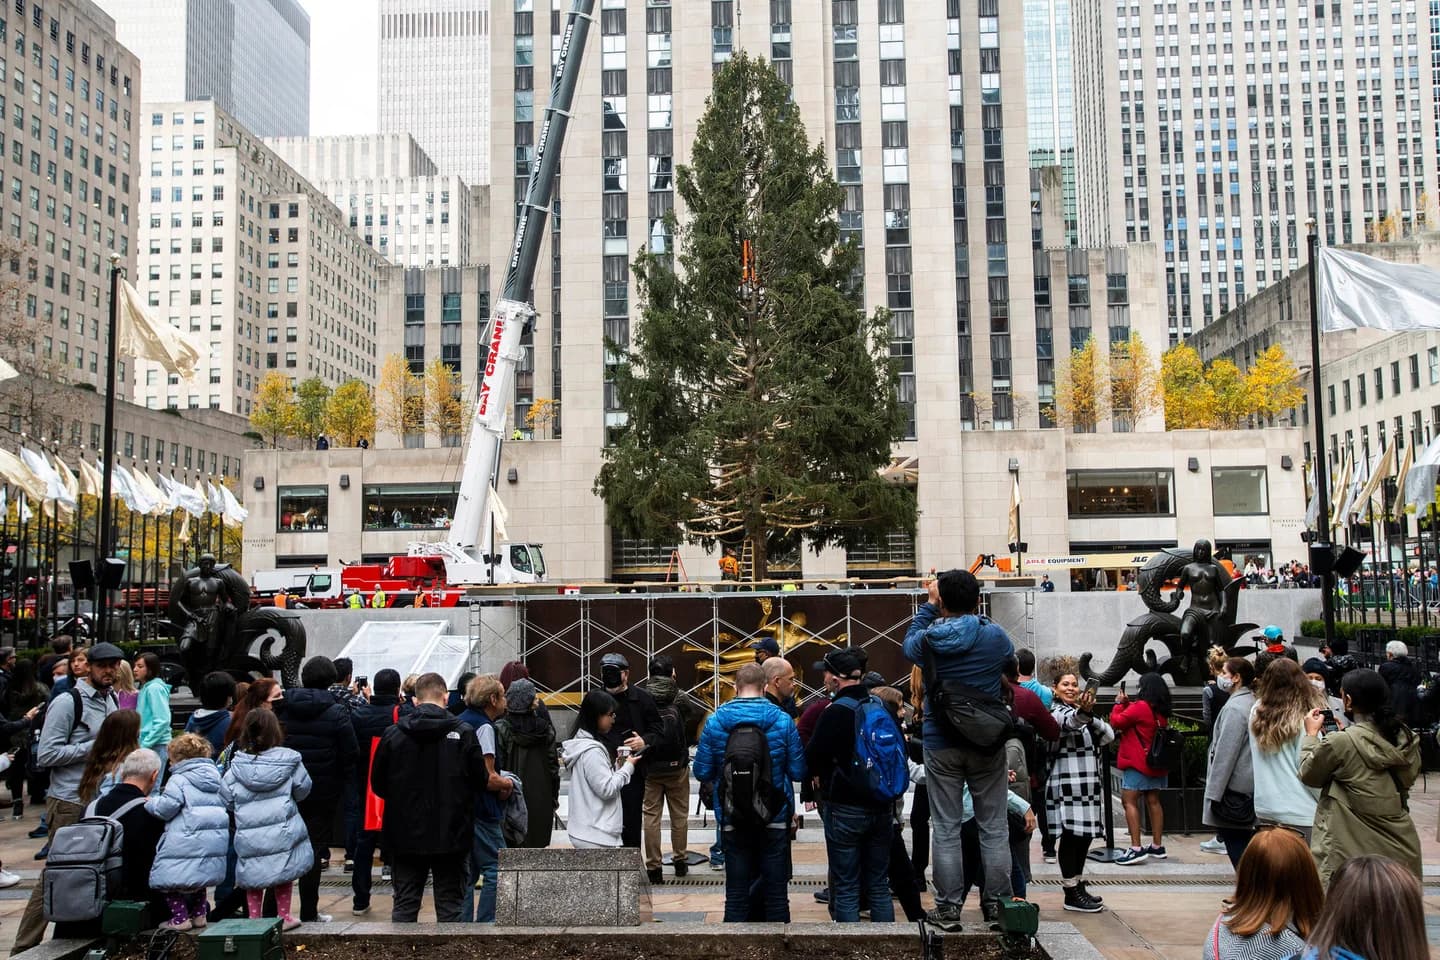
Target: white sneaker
<point>321,918</point>
<point>1213,846</point>
<point>8,879</point>
<point>717,867</point>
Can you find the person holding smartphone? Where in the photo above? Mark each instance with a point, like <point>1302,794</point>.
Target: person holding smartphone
<point>637,725</point>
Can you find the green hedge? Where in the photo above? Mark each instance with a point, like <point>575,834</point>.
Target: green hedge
<point>130,647</point>
<point>1410,636</point>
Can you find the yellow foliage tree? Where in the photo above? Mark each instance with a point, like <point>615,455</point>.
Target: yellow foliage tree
<point>543,414</point>
<point>1134,385</point>
<point>399,398</point>
<point>275,412</point>
<point>1274,384</point>
<point>1188,397</point>
<point>1080,389</point>
<point>443,407</point>
<point>350,414</point>
<point>1232,396</point>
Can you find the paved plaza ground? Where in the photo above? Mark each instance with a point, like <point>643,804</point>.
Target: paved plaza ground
<point>1157,909</point>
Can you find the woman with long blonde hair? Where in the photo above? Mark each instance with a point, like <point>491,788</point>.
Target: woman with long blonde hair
<point>127,694</point>
<point>920,802</point>
<point>1284,697</point>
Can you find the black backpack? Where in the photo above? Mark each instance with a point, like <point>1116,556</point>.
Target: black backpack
<point>1165,749</point>
<point>669,753</point>
<point>747,797</point>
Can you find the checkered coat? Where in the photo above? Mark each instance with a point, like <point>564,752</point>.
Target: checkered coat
<point>1074,795</point>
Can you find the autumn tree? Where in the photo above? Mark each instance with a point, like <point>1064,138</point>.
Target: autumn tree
<point>443,407</point>
<point>274,413</point>
<point>760,401</point>
<point>1081,387</point>
<point>1274,384</point>
<point>399,399</point>
<point>543,414</point>
<point>310,399</point>
<point>1188,397</point>
<point>1232,396</point>
<point>1134,384</point>
<point>350,414</point>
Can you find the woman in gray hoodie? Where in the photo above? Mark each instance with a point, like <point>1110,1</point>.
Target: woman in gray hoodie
<point>267,783</point>
<point>595,819</point>
<point>1230,775</point>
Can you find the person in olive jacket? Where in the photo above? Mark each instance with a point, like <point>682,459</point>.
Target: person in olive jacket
<point>429,770</point>
<point>1364,774</point>
<point>318,727</point>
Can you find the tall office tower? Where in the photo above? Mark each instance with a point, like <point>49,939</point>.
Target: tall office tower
<point>396,198</point>
<point>1228,124</point>
<point>435,80</point>
<point>1050,98</point>
<point>252,57</point>
<point>246,254</point>
<point>69,166</point>
<point>931,142</point>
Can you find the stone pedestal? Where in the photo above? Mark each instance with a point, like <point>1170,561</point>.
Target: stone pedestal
<point>566,888</point>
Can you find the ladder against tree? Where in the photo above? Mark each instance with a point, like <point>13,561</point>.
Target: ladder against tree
<point>676,567</point>
<point>747,561</point>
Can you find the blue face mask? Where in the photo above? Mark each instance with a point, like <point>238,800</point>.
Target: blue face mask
<point>1224,684</point>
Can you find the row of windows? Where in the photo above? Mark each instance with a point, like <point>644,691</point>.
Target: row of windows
<point>402,506</point>
<point>1235,491</point>
<point>1374,384</point>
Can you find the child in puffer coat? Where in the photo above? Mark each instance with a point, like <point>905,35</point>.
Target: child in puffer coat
<point>191,855</point>
<point>272,847</point>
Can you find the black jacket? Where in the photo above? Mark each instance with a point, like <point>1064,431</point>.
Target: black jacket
<point>370,723</point>
<point>635,711</point>
<point>1403,678</point>
<point>429,770</point>
<point>831,750</point>
<point>317,726</point>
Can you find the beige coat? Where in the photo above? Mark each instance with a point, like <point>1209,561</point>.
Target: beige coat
<point>1364,783</point>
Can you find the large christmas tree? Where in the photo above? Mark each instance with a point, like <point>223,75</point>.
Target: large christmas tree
<point>759,396</point>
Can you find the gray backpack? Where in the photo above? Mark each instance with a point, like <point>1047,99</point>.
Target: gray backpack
<point>83,870</point>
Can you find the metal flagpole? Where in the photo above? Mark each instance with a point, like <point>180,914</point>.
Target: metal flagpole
<point>103,538</point>
<point>1327,579</point>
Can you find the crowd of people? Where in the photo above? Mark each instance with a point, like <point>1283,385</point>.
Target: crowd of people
<point>1307,786</point>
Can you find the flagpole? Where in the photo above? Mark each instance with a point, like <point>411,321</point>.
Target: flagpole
<point>1317,413</point>
<point>103,544</point>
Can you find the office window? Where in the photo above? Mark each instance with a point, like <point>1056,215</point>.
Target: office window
<point>1120,493</point>
<point>1239,491</point>
<point>304,507</point>
<point>408,506</point>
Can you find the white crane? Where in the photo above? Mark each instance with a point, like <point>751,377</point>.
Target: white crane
<point>469,551</point>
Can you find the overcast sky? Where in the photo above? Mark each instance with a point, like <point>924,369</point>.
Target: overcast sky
<point>343,38</point>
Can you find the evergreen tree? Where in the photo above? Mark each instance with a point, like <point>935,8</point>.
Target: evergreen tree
<point>760,404</point>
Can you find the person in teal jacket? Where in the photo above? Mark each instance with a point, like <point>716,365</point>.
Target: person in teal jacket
<point>154,707</point>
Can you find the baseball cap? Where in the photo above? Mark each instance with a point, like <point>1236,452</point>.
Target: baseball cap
<point>105,651</point>
<point>767,644</point>
<point>1273,632</point>
<point>873,679</point>
<point>848,663</point>
<point>615,660</point>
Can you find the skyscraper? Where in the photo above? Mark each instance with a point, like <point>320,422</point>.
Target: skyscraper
<point>252,57</point>
<point>1217,134</point>
<point>435,80</point>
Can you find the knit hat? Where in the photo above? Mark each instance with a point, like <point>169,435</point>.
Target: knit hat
<point>520,698</point>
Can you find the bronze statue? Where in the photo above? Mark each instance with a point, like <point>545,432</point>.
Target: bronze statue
<point>1208,622</point>
<point>211,604</point>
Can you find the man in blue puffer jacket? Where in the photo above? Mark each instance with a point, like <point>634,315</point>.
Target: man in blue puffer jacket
<point>969,649</point>
<point>756,860</point>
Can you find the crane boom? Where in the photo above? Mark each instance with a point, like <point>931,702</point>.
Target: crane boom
<point>468,546</point>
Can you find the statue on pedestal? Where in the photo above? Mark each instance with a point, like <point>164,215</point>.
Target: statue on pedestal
<point>1208,622</point>
<point>211,604</point>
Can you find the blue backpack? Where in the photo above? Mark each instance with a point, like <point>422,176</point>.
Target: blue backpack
<point>881,762</point>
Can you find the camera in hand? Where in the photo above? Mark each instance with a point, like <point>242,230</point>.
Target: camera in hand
<point>1329,725</point>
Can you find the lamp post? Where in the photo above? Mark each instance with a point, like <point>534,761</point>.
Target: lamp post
<point>1327,578</point>
<point>103,541</point>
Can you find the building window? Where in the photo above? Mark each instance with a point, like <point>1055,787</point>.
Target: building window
<point>410,506</point>
<point>304,508</point>
<point>1239,491</point>
<point>1433,357</point>
<point>1120,493</point>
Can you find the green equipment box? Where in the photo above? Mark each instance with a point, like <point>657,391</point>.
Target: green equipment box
<point>242,940</point>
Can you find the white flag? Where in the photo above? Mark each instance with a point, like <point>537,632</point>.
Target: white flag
<point>214,500</point>
<point>14,469</point>
<point>183,498</point>
<point>1014,532</point>
<point>92,484</point>
<point>499,514</point>
<point>40,466</point>
<point>158,499</point>
<point>142,336</point>
<point>1312,509</point>
<point>234,513</point>
<point>1362,291</point>
<point>24,510</point>
<point>124,487</point>
<point>8,372</point>
<point>202,498</point>
<point>4,504</point>
<point>72,486</point>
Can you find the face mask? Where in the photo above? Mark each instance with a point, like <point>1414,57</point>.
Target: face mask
<point>610,676</point>
<point>1318,685</point>
<point>1225,684</point>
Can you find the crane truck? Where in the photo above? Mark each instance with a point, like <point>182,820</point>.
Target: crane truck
<point>468,555</point>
